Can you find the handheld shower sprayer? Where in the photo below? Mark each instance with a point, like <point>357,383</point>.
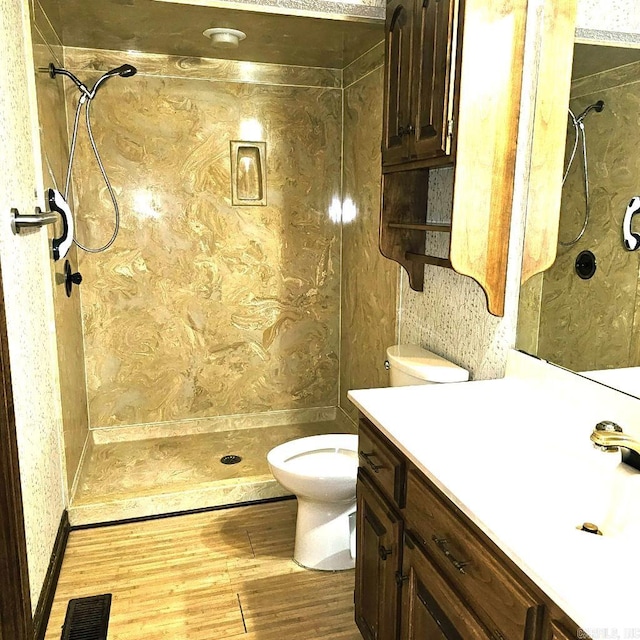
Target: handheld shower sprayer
<point>124,71</point>
<point>87,95</point>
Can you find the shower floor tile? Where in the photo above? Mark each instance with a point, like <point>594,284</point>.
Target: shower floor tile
<point>163,475</point>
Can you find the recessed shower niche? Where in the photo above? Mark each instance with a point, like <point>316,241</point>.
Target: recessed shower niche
<point>248,173</point>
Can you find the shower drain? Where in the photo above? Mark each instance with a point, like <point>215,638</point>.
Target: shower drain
<point>230,459</point>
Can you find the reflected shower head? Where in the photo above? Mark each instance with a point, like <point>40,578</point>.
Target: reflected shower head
<point>596,106</point>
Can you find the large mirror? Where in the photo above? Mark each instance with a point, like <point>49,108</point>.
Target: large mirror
<point>584,312</point>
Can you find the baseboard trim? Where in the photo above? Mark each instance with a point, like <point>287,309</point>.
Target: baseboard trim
<point>173,514</point>
<point>43,610</point>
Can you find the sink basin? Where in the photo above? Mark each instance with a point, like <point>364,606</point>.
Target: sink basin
<point>604,495</point>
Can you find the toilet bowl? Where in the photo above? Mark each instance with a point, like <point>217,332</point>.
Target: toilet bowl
<point>321,472</point>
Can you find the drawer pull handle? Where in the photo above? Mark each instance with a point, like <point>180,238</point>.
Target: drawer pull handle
<point>367,456</point>
<point>441,543</point>
<point>400,579</point>
<point>384,553</point>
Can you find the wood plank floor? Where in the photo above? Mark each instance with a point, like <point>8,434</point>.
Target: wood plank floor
<point>222,574</point>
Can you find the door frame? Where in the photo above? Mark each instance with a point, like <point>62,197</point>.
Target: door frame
<point>16,621</point>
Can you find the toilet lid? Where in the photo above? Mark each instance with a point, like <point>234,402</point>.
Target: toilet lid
<point>424,364</point>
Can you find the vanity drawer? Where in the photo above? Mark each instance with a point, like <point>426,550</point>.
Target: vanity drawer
<point>384,464</point>
<point>504,605</point>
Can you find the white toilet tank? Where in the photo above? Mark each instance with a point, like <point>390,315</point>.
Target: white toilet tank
<point>410,364</point>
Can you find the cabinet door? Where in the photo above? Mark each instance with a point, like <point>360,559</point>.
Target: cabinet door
<point>377,561</point>
<point>431,609</point>
<point>433,77</point>
<point>558,632</point>
<point>397,74</point>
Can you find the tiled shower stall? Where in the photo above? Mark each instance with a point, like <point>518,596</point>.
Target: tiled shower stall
<point>209,328</point>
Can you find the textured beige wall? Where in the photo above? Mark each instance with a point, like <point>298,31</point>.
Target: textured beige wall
<point>617,19</point>
<point>54,146</point>
<point>369,281</point>
<point>201,308</point>
<point>450,315</point>
<point>27,293</point>
<point>589,324</point>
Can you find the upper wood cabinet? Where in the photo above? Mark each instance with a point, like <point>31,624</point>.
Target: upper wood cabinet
<point>421,37</point>
<point>397,104</point>
<point>454,96</point>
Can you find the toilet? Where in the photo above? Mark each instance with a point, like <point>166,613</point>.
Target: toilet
<point>321,470</point>
<point>409,364</point>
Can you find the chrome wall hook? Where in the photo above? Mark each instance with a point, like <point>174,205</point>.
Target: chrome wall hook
<point>35,221</point>
<point>57,205</point>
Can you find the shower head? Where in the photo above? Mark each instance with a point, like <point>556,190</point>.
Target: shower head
<point>596,106</point>
<point>124,71</point>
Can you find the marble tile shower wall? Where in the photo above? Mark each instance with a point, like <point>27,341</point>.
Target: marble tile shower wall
<point>369,281</point>
<point>203,309</point>
<point>53,141</point>
<point>593,324</point>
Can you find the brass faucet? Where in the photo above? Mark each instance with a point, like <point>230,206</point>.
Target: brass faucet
<point>608,436</point>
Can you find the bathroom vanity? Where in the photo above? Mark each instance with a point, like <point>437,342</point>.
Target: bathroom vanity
<point>467,516</point>
<point>434,568</point>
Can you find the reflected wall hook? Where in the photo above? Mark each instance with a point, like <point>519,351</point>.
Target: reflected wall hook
<point>631,240</point>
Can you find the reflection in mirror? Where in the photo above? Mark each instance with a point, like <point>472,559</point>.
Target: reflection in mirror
<point>593,323</point>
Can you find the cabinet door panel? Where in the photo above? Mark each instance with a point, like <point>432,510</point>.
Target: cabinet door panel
<point>378,457</point>
<point>470,566</point>
<point>435,35</point>
<point>378,559</point>
<point>431,609</point>
<point>397,72</point>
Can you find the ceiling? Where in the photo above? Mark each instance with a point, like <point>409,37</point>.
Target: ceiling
<point>589,59</point>
<point>175,28</point>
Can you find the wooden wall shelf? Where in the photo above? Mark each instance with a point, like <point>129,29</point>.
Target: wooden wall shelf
<point>434,226</point>
<point>403,225</point>
<point>426,259</point>
<point>452,100</point>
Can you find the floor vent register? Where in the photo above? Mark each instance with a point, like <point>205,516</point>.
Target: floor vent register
<point>87,618</point>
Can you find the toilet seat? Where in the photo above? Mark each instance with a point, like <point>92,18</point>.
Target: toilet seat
<point>310,456</point>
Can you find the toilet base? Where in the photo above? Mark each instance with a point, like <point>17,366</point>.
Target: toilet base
<point>325,535</point>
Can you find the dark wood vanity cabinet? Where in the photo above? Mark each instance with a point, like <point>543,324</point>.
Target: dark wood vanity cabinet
<point>424,571</point>
<point>431,609</point>
<point>379,541</point>
<point>418,125</point>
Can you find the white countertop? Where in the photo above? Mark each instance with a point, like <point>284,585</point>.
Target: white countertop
<point>514,455</point>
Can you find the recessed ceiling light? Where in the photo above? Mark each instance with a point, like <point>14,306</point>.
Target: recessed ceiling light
<point>225,38</point>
